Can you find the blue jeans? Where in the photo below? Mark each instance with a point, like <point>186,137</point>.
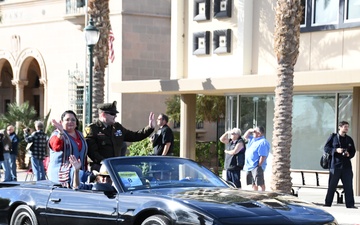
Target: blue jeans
<point>38,168</point>
<point>234,176</point>
<point>13,166</point>
<point>6,167</point>
<point>1,163</point>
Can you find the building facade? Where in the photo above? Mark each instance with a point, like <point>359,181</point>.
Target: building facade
<point>224,47</point>
<point>44,57</point>
<point>211,47</point>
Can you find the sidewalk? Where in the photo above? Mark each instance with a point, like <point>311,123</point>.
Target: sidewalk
<point>343,215</point>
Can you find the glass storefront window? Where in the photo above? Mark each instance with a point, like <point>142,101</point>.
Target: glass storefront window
<point>253,110</point>
<point>353,10</point>
<point>326,12</point>
<point>313,122</point>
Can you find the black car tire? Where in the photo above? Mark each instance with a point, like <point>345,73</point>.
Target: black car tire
<point>23,215</point>
<point>156,220</point>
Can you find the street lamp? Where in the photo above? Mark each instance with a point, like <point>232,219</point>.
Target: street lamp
<point>91,37</point>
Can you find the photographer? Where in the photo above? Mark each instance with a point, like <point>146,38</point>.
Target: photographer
<point>342,148</point>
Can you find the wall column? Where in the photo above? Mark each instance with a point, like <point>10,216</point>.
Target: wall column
<point>355,134</point>
<point>43,98</point>
<point>188,126</point>
<point>19,84</point>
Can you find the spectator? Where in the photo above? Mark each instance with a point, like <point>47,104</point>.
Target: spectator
<point>38,149</point>
<point>341,147</point>
<point>6,162</point>
<point>234,155</point>
<point>13,151</point>
<point>1,151</point>
<point>163,139</point>
<point>256,154</point>
<point>66,140</point>
<point>106,137</point>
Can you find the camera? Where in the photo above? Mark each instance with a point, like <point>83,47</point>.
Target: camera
<point>27,130</point>
<point>344,152</point>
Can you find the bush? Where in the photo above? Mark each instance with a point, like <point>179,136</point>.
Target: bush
<point>203,151</point>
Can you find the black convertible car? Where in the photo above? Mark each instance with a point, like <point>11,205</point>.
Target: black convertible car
<point>152,191</point>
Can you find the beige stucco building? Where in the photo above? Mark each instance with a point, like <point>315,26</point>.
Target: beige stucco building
<point>43,55</point>
<point>213,47</point>
<point>226,48</point>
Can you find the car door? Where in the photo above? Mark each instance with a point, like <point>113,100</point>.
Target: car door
<point>73,207</point>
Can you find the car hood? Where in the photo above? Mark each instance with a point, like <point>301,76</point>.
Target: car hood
<point>228,205</point>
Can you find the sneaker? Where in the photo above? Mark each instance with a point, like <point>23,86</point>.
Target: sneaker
<point>352,207</point>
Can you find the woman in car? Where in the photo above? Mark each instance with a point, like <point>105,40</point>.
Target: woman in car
<point>66,140</point>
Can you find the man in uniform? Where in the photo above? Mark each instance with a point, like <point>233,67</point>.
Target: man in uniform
<point>105,137</point>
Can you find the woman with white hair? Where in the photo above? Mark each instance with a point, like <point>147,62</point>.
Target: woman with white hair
<point>234,155</point>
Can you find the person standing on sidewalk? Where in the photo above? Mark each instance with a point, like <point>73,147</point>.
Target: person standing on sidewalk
<point>1,151</point>
<point>163,139</point>
<point>256,154</point>
<point>234,155</point>
<point>6,162</point>
<point>37,149</point>
<point>341,147</point>
<point>13,151</point>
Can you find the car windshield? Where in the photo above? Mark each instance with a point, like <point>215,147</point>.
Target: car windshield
<point>138,173</point>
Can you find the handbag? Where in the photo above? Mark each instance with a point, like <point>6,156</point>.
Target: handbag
<point>325,160</point>
<point>64,173</point>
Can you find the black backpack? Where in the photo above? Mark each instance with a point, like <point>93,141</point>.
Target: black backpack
<point>325,160</point>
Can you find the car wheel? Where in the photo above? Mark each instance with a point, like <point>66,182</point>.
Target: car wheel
<point>156,220</point>
<point>23,215</point>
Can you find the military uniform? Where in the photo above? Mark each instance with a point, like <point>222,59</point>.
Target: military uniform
<point>106,141</point>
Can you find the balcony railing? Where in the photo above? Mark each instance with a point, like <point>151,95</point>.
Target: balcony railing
<point>75,7</point>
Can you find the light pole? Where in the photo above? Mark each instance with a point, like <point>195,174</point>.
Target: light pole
<point>91,37</point>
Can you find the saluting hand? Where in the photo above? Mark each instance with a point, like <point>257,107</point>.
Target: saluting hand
<point>152,122</point>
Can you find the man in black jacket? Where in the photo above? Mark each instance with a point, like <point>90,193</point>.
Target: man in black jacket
<point>342,148</point>
<point>163,139</point>
<point>13,151</point>
<point>105,137</point>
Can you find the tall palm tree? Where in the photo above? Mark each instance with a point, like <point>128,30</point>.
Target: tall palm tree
<point>287,35</point>
<point>99,11</point>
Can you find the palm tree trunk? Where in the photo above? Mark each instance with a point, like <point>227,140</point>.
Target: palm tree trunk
<point>287,35</point>
<point>99,11</point>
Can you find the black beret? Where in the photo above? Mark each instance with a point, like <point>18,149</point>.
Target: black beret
<point>108,107</point>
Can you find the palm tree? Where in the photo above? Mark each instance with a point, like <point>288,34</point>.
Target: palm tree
<point>99,11</point>
<point>21,116</point>
<point>287,35</point>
